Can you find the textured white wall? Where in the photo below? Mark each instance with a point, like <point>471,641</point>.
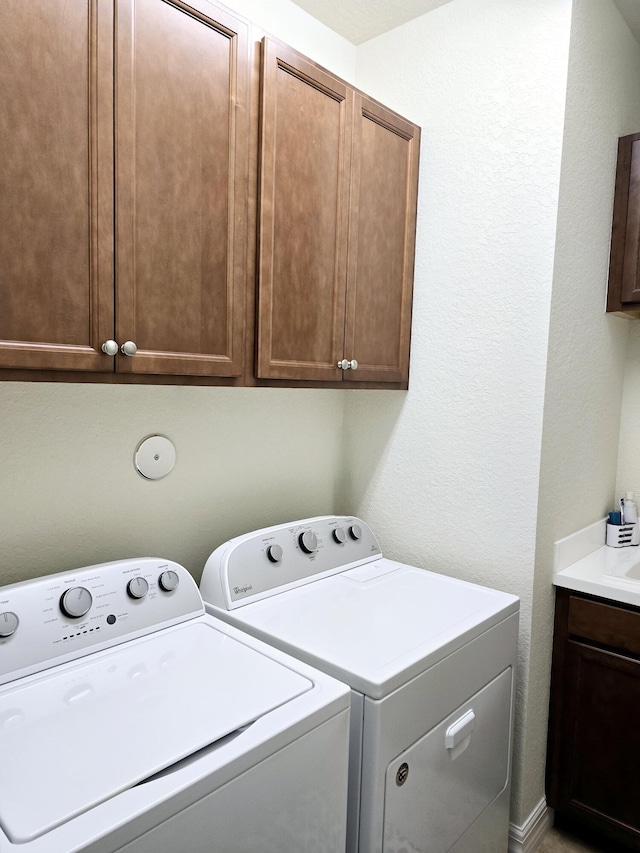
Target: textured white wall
<point>587,348</point>
<point>288,22</point>
<point>69,494</point>
<point>448,475</point>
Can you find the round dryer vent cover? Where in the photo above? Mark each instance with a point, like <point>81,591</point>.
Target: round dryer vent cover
<point>155,457</point>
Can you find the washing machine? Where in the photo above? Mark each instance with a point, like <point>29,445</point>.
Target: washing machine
<point>131,720</point>
<point>430,661</point>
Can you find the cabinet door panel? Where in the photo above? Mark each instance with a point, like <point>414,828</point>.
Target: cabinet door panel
<point>181,187</point>
<point>305,149</point>
<point>631,261</point>
<point>56,184</point>
<point>381,243</point>
<point>600,753</point>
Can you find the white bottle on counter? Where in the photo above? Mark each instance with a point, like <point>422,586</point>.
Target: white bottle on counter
<point>631,517</point>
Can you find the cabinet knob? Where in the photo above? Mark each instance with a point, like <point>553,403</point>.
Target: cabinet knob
<point>110,347</point>
<point>129,348</point>
<point>353,364</point>
<point>345,364</point>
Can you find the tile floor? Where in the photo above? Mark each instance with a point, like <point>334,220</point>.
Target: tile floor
<point>557,841</point>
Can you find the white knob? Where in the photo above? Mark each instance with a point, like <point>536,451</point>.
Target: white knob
<point>355,531</point>
<point>110,347</point>
<point>339,536</point>
<point>343,364</point>
<point>137,587</point>
<point>168,580</point>
<point>8,623</point>
<point>274,553</point>
<point>76,602</point>
<point>128,348</point>
<point>353,364</point>
<point>308,541</point>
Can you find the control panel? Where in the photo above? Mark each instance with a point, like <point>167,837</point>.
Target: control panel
<point>61,617</point>
<point>270,560</point>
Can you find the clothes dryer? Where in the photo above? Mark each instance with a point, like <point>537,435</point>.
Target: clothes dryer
<point>430,661</point>
<point>130,720</point>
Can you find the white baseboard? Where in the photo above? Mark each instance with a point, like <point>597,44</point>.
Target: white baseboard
<point>529,836</point>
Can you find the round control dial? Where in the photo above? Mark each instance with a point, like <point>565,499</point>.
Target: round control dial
<point>339,535</point>
<point>274,553</point>
<point>8,623</point>
<point>137,587</point>
<point>308,541</point>
<point>355,531</point>
<point>168,580</point>
<point>76,602</point>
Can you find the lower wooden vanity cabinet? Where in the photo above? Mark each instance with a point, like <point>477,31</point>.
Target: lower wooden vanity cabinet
<point>593,759</point>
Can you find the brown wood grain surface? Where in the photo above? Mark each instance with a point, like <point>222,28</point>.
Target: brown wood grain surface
<point>305,162</point>
<point>56,197</point>
<point>623,292</point>
<point>181,179</point>
<point>593,747</point>
<point>384,188</point>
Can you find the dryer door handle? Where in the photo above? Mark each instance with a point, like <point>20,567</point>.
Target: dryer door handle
<point>460,730</point>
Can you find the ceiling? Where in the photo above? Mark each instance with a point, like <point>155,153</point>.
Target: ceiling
<point>361,20</point>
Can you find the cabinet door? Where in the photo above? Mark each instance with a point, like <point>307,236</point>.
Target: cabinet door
<point>384,189</point>
<point>56,184</point>
<point>623,294</point>
<point>601,744</point>
<point>631,260</point>
<point>181,186</point>
<point>303,218</point>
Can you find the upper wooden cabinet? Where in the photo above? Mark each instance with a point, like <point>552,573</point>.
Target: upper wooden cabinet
<point>56,184</point>
<point>181,186</point>
<point>337,221</point>
<point>624,269</point>
<point>180,125</point>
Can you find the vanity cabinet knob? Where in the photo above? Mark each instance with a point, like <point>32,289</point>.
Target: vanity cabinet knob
<point>129,348</point>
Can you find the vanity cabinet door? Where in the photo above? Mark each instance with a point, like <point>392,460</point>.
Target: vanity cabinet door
<point>594,742</point>
<point>600,756</point>
<point>56,184</point>
<point>182,152</point>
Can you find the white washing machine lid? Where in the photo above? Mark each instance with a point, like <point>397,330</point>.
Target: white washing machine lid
<point>375,626</point>
<point>83,732</point>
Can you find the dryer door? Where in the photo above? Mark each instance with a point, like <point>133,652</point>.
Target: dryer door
<point>436,788</point>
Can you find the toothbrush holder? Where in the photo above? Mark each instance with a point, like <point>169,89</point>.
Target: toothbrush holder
<point>620,535</point>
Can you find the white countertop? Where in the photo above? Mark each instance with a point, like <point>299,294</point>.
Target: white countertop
<point>602,572</point>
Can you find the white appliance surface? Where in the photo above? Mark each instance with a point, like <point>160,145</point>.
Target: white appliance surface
<point>377,625</point>
<point>430,660</point>
<point>158,699</point>
<point>156,709</point>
